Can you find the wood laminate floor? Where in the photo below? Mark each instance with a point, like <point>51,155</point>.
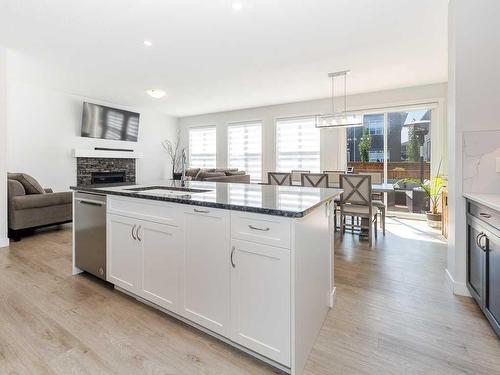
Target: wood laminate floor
<point>394,314</point>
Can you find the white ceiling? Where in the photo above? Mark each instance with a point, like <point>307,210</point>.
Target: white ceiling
<point>210,58</point>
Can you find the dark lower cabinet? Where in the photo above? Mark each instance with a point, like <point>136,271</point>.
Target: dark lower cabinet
<point>483,262</point>
<point>476,263</point>
<point>492,295</point>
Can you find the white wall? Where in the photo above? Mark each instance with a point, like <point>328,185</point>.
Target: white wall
<point>44,127</point>
<point>332,140</point>
<point>3,153</point>
<point>474,99</point>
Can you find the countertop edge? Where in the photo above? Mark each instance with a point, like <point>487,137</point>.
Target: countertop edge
<point>489,200</point>
<point>224,206</point>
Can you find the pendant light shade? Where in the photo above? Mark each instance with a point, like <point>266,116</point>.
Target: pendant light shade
<point>340,119</point>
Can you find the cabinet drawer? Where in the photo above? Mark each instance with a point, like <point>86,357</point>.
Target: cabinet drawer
<point>264,229</point>
<point>485,214</point>
<point>143,209</point>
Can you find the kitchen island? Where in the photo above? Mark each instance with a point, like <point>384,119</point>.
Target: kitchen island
<point>249,264</point>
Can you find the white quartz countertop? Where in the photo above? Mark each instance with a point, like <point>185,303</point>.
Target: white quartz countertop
<point>489,200</point>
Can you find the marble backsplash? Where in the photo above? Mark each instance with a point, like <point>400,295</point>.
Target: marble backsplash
<point>480,150</point>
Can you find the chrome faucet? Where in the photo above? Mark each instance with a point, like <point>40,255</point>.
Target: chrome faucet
<point>183,160</point>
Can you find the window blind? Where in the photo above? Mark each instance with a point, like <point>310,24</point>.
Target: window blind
<point>202,147</point>
<point>245,148</point>
<point>298,145</point>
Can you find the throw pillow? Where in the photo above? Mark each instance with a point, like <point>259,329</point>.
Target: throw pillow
<point>192,172</point>
<point>29,183</point>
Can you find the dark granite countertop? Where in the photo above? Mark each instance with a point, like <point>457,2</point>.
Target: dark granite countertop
<point>288,201</point>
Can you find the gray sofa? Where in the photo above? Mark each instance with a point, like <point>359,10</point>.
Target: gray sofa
<point>218,175</point>
<point>30,206</point>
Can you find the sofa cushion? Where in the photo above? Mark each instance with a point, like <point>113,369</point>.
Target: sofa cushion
<point>192,172</point>
<point>205,174</point>
<point>15,188</point>
<point>41,200</point>
<point>31,186</point>
<point>235,173</point>
<point>244,178</point>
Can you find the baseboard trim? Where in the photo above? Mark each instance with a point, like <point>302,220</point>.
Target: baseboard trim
<point>456,287</point>
<point>4,242</point>
<point>333,296</point>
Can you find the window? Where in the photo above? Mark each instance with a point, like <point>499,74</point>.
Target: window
<point>245,148</point>
<point>298,145</point>
<point>396,145</point>
<point>202,147</point>
<point>365,144</point>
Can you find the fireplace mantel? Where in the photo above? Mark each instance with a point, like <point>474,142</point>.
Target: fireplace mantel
<point>104,154</point>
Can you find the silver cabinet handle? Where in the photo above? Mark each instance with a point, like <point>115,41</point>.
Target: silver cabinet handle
<point>90,203</point>
<point>478,239</point>
<point>133,229</point>
<point>137,233</point>
<point>485,215</point>
<point>201,211</point>
<point>484,247</point>
<point>261,229</point>
<point>232,254</point>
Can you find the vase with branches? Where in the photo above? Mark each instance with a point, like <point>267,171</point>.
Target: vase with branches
<point>172,148</point>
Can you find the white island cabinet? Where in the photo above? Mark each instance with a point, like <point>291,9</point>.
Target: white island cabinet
<point>145,258</point>
<point>205,270</point>
<point>260,281</point>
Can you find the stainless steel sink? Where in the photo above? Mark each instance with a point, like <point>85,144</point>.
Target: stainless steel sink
<point>167,190</point>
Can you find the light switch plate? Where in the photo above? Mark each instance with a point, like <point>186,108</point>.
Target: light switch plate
<point>498,165</point>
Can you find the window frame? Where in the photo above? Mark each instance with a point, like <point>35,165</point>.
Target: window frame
<point>243,123</point>
<point>276,141</point>
<point>189,143</point>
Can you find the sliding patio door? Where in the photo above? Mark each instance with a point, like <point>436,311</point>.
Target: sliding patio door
<point>394,147</point>
<point>408,159</point>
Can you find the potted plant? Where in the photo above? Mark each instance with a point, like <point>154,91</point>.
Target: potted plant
<point>432,189</point>
<point>174,154</point>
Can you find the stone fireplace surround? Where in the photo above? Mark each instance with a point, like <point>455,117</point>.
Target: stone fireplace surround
<point>85,166</point>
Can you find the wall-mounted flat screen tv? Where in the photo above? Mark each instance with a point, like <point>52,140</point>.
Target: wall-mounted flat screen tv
<point>103,122</point>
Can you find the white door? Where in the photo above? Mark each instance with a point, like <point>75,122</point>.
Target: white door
<point>206,273</point>
<point>123,252</point>
<point>260,299</point>
<point>162,248</point>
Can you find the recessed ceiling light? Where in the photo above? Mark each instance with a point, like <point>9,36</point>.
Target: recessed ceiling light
<point>237,5</point>
<point>148,43</point>
<point>156,93</point>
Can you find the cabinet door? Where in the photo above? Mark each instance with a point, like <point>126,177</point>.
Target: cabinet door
<point>475,263</point>
<point>491,243</point>
<point>161,263</point>
<point>123,252</point>
<point>260,299</point>
<point>206,268</point>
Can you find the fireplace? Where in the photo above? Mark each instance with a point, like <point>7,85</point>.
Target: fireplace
<point>107,177</point>
<point>90,171</point>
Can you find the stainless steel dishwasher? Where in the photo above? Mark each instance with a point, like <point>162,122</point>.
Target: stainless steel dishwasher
<point>90,233</point>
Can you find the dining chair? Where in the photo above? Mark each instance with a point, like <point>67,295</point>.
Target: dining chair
<point>296,175</point>
<point>334,177</point>
<point>314,180</point>
<point>279,178</point>
<point>378,200</point>
<point>376,176</point>
<point>356,202</point>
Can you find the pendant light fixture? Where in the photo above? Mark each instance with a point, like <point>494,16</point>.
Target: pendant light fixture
<point>339,119</point>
